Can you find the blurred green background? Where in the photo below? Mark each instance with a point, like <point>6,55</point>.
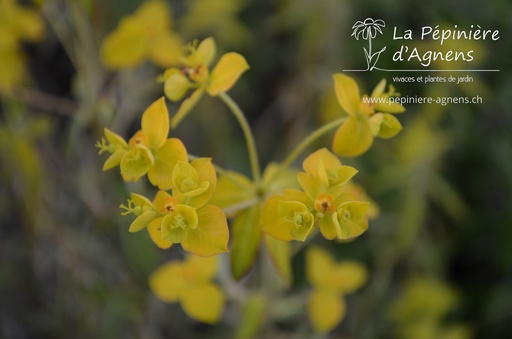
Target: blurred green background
<point>70,269</point>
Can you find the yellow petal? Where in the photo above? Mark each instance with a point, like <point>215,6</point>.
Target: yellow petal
<point>134,164</point>
<point>168,282</point>
<point>142,221</point>
<point>379,89</point>
<point>204,53</point>
<point>166,49</point>
<point>204,173</point>
<point>155,123</point>
<point>319,265</point>
<point>227,71</point>
<point>125,47</point>
<point>352,219</point>
<point>311,185</point>
<point>272,223</point>
<point>154,16</point>
<point>347,93</point>
<point>176,86</point>
<point>390,107</point>
<point>326,310</point>
<point>114,159</point>
<point>203,302</point>
<point>232,188</point>
<point>389,127</point>
<point>328,226</point>
<point>375,121</point>
<point>155,234</point>
<point>200,269</point>
<point>245,241</point>
<point>353,138</point>
<point>349,276</point>
<point>27,23</point>
<point>114,138</point>
<point>166,158</point>
<point>211,235</point>
<point>329,160</point>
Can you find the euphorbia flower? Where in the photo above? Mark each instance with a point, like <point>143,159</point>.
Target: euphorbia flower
<point>195,71</point>
<point>324,202</point>
<point>330,281</point>
<point>189,282</point>
<point>184,217</point>
<point>368,116</point>
<point>147,34</point>
<point>17,23</point>
<point>148,151</point>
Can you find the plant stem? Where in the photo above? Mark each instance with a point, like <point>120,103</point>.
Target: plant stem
<point>306,143</point>
<point>249,137</point>
<point>186,106</point>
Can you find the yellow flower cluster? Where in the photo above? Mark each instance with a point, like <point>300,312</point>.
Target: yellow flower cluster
<point>147,34</point>
<point>183,217</point>
<point>330,281</point>
<point>369,117</point>
<point>17,23</point>
<point>324,201</point>
<point>189,283</point>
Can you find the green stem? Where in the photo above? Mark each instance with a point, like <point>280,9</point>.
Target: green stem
<point>186,106</point>
<point>249,137</point>
<point>306,143</point>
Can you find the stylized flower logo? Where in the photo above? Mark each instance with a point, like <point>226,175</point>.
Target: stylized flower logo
<point>368,29</point>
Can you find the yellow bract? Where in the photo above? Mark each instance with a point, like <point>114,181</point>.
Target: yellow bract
<point>368,117</point>
<point>189,282</point>
<point>421,310</point>
<point>17,23</point>
<point>148,151</point>
<point>196,72</point>
<point>325,202</point>
<point>147,34</point>
<point>202,231</point>
<point>330,281</point>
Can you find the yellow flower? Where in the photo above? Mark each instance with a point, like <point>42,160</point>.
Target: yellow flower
<point>190,283</point>
<point>421,310</point>
<point>147,34</point>
<point>17,23</point>
<point>330,281</point>
<point>184,217</point>
<point>148,151</point>
<point>195,71</point>
<point>324,202</point>
<point>368,116</point>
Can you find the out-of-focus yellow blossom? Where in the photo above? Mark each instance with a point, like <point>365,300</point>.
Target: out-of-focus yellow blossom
<point>421,310</point>
<point>148,151</point>
<point>324,202</point>
<point>147,34</point>
<point>216,17</point>
<point>184,217</point>
<point>189,282</point>
<point>330,281</point>
<point>195,71</point>
<point>368,116</point>
<point>17,23</point>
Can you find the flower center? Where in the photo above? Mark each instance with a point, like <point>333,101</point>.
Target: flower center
<point>325,203</point>
<point>139,138</point>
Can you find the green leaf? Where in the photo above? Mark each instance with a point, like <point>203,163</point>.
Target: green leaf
<point>281,255</point>
<point>246,236</point>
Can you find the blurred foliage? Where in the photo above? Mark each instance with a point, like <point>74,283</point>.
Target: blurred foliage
<point>68,266</point>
